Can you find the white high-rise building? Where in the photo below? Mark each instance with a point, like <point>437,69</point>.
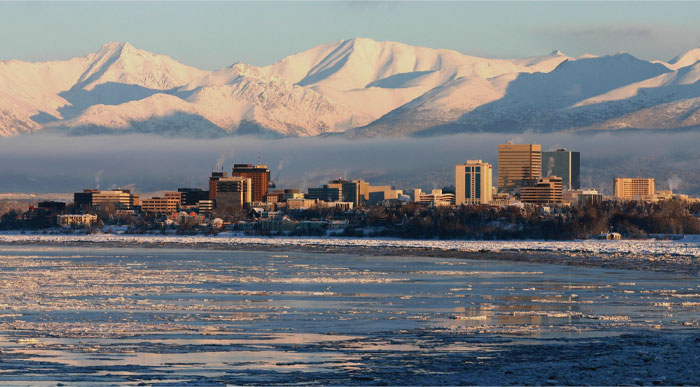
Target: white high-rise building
<point>473,182</point>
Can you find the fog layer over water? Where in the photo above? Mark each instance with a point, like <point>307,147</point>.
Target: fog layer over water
<point>53,163</point>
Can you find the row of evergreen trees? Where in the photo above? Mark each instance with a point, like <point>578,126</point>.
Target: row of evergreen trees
<point>632,219</point>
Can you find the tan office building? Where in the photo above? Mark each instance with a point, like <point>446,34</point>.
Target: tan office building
<point>634,188</point>
<point>301,204</point>
<point>169,203</point>
<point>473,183</point>
<point>121,198</point>
<point>380,193</point>
<point>519,165</point>
<point>548,190</point>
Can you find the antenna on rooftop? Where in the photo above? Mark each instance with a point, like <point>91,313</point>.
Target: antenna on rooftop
<point>259,158</point>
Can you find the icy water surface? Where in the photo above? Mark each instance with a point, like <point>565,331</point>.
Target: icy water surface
<point>156,316</point>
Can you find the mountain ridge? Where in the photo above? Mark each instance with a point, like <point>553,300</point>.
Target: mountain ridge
<point>357,87</point>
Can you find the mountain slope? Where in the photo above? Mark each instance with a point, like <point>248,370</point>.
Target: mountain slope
<point>238,95</point>
<point>122,63</point>
<point>358,86</point>
<point>374,78</point>
<point>688,58</point>
<point>519,102</point>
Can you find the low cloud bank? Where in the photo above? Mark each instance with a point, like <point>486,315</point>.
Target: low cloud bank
<point>52,163</point>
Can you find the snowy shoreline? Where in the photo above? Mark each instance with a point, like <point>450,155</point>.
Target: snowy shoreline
<point>681,256</point>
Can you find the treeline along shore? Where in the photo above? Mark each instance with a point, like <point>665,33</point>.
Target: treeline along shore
<point>632,219</point>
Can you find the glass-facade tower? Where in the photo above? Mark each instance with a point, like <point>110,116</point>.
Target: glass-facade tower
<point>564,164</point>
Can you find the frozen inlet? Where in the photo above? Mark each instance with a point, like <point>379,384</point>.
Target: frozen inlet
<point>113,315</point>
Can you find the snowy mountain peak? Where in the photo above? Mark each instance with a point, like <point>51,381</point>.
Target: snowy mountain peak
<point>119,62</point>
<point>686,59</point>
<point>246,70</point>
<point>357,63</point>
<point>359,42</point>
<point>113,47</point>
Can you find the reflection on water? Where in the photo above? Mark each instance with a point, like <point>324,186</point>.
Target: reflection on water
<point>133,315</point>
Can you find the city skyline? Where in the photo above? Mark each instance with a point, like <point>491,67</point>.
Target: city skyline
<point>520,177</point>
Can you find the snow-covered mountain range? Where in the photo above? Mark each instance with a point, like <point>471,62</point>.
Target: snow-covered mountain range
<point>359,87</point>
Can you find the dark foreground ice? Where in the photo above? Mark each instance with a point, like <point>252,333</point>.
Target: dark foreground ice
<point>78,315</point>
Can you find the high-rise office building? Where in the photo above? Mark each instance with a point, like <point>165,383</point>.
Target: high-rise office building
<point>355,191</point>
<point>258,174</point>
<point>83,200</point>
<point>565,164</point>
<point>122,199</point>
<point>547,190</point>
<point>473,182</point>
<point>192,196</point>
<point>234,191</point>
<point>213,181</point>
<point>519,165</point>
<point>634,188</point>
<point>326,193</point>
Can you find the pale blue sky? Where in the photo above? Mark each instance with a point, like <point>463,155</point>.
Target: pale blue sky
<point>212,35</point>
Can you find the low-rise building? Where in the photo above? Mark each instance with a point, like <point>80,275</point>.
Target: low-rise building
<point>280,224</point>
<point>342,206</point>
<point>183,217</point>
<point>282,195</point>
<point>205,206</point>
<point>169,203</point>
<point>436,198</point>
<point>76,220</point>
<point>582,196</point>
<point>501,199</point>
<point>265,206</point>
<point>668,195</point>
<point>301,204</point>
<point>547,190</point>
<point>610,236</point>
<point>378,194</point>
